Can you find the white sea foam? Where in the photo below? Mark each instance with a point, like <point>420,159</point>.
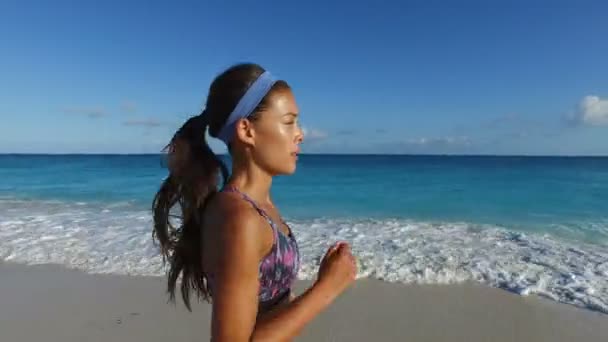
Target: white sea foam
<point>117,239</point>
<point>421,252</point>
<point>92,238</point>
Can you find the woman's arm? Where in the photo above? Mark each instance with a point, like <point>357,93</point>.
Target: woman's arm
<point>286,322</point>
<point>235,301</point>
<point>337,272</point>
<point>235,294</point>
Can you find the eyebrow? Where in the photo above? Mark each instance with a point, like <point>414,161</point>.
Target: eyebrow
<point>292,114</point>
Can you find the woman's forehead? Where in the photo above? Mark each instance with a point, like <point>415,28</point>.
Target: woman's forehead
<point>283,103</point>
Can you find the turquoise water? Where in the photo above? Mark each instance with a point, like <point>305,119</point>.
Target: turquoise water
<point>528,193</point>
<point>526,224</point>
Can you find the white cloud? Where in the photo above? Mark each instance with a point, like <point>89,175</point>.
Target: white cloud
<point>143,122</point>
<point>441,141</point>
<point>593,111</point>
<point>129,107</point>
<point>430,145</point>
<point>422,145</point>
<point>92,112</point>
<point>346,132</point>
<point>313,134</point>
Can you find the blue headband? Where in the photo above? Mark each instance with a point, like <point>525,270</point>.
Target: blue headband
<point>247,104</point>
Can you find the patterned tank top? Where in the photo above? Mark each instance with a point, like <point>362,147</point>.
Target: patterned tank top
<point>279,268</point>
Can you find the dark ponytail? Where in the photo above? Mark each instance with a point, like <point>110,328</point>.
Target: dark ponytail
<point>193,180</point>
<point>194,172</point>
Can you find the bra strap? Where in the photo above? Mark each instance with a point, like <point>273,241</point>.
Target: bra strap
<point>261,211</point>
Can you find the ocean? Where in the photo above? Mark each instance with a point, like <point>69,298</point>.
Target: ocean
<point>529,225</point>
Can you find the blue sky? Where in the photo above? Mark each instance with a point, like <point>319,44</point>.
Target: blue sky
<point>483,77</point>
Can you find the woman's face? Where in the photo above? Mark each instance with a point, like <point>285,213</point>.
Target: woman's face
<point>276,134</point>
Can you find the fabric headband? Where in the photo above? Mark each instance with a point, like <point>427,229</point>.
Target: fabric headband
<point>247,104</point>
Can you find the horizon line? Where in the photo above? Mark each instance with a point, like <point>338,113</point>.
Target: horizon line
<point>325,154</point>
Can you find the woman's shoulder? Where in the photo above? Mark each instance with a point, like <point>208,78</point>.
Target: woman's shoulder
<point>231,208</point>
<point>237,219</point>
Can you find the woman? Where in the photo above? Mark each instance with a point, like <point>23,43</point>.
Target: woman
<point>233,249</point>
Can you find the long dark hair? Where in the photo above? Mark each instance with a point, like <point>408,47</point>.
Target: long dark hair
<point>194,177</point>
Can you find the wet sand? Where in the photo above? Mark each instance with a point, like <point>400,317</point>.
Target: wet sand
<point>51,303</point>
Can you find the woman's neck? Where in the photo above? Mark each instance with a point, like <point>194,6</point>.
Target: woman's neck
<point>253,181</point>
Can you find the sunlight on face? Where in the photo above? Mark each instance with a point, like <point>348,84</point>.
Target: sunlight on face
<point>278,134</point>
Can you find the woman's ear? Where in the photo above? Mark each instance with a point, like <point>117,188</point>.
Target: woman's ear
<point>245,132</point>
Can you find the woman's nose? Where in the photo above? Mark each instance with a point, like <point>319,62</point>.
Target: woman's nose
<point>300,135</point>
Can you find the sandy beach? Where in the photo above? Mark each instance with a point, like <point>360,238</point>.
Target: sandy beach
<point>51,303</point>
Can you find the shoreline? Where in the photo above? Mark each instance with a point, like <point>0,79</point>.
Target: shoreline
<point>54,303</point>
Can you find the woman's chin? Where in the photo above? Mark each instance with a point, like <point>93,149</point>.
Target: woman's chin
<point>286,171</point>
<point>289,172</point>
<point>294,166</point>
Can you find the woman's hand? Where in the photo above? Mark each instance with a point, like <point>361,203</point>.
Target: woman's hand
<point>338,268</point>
<point>337,272</point>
